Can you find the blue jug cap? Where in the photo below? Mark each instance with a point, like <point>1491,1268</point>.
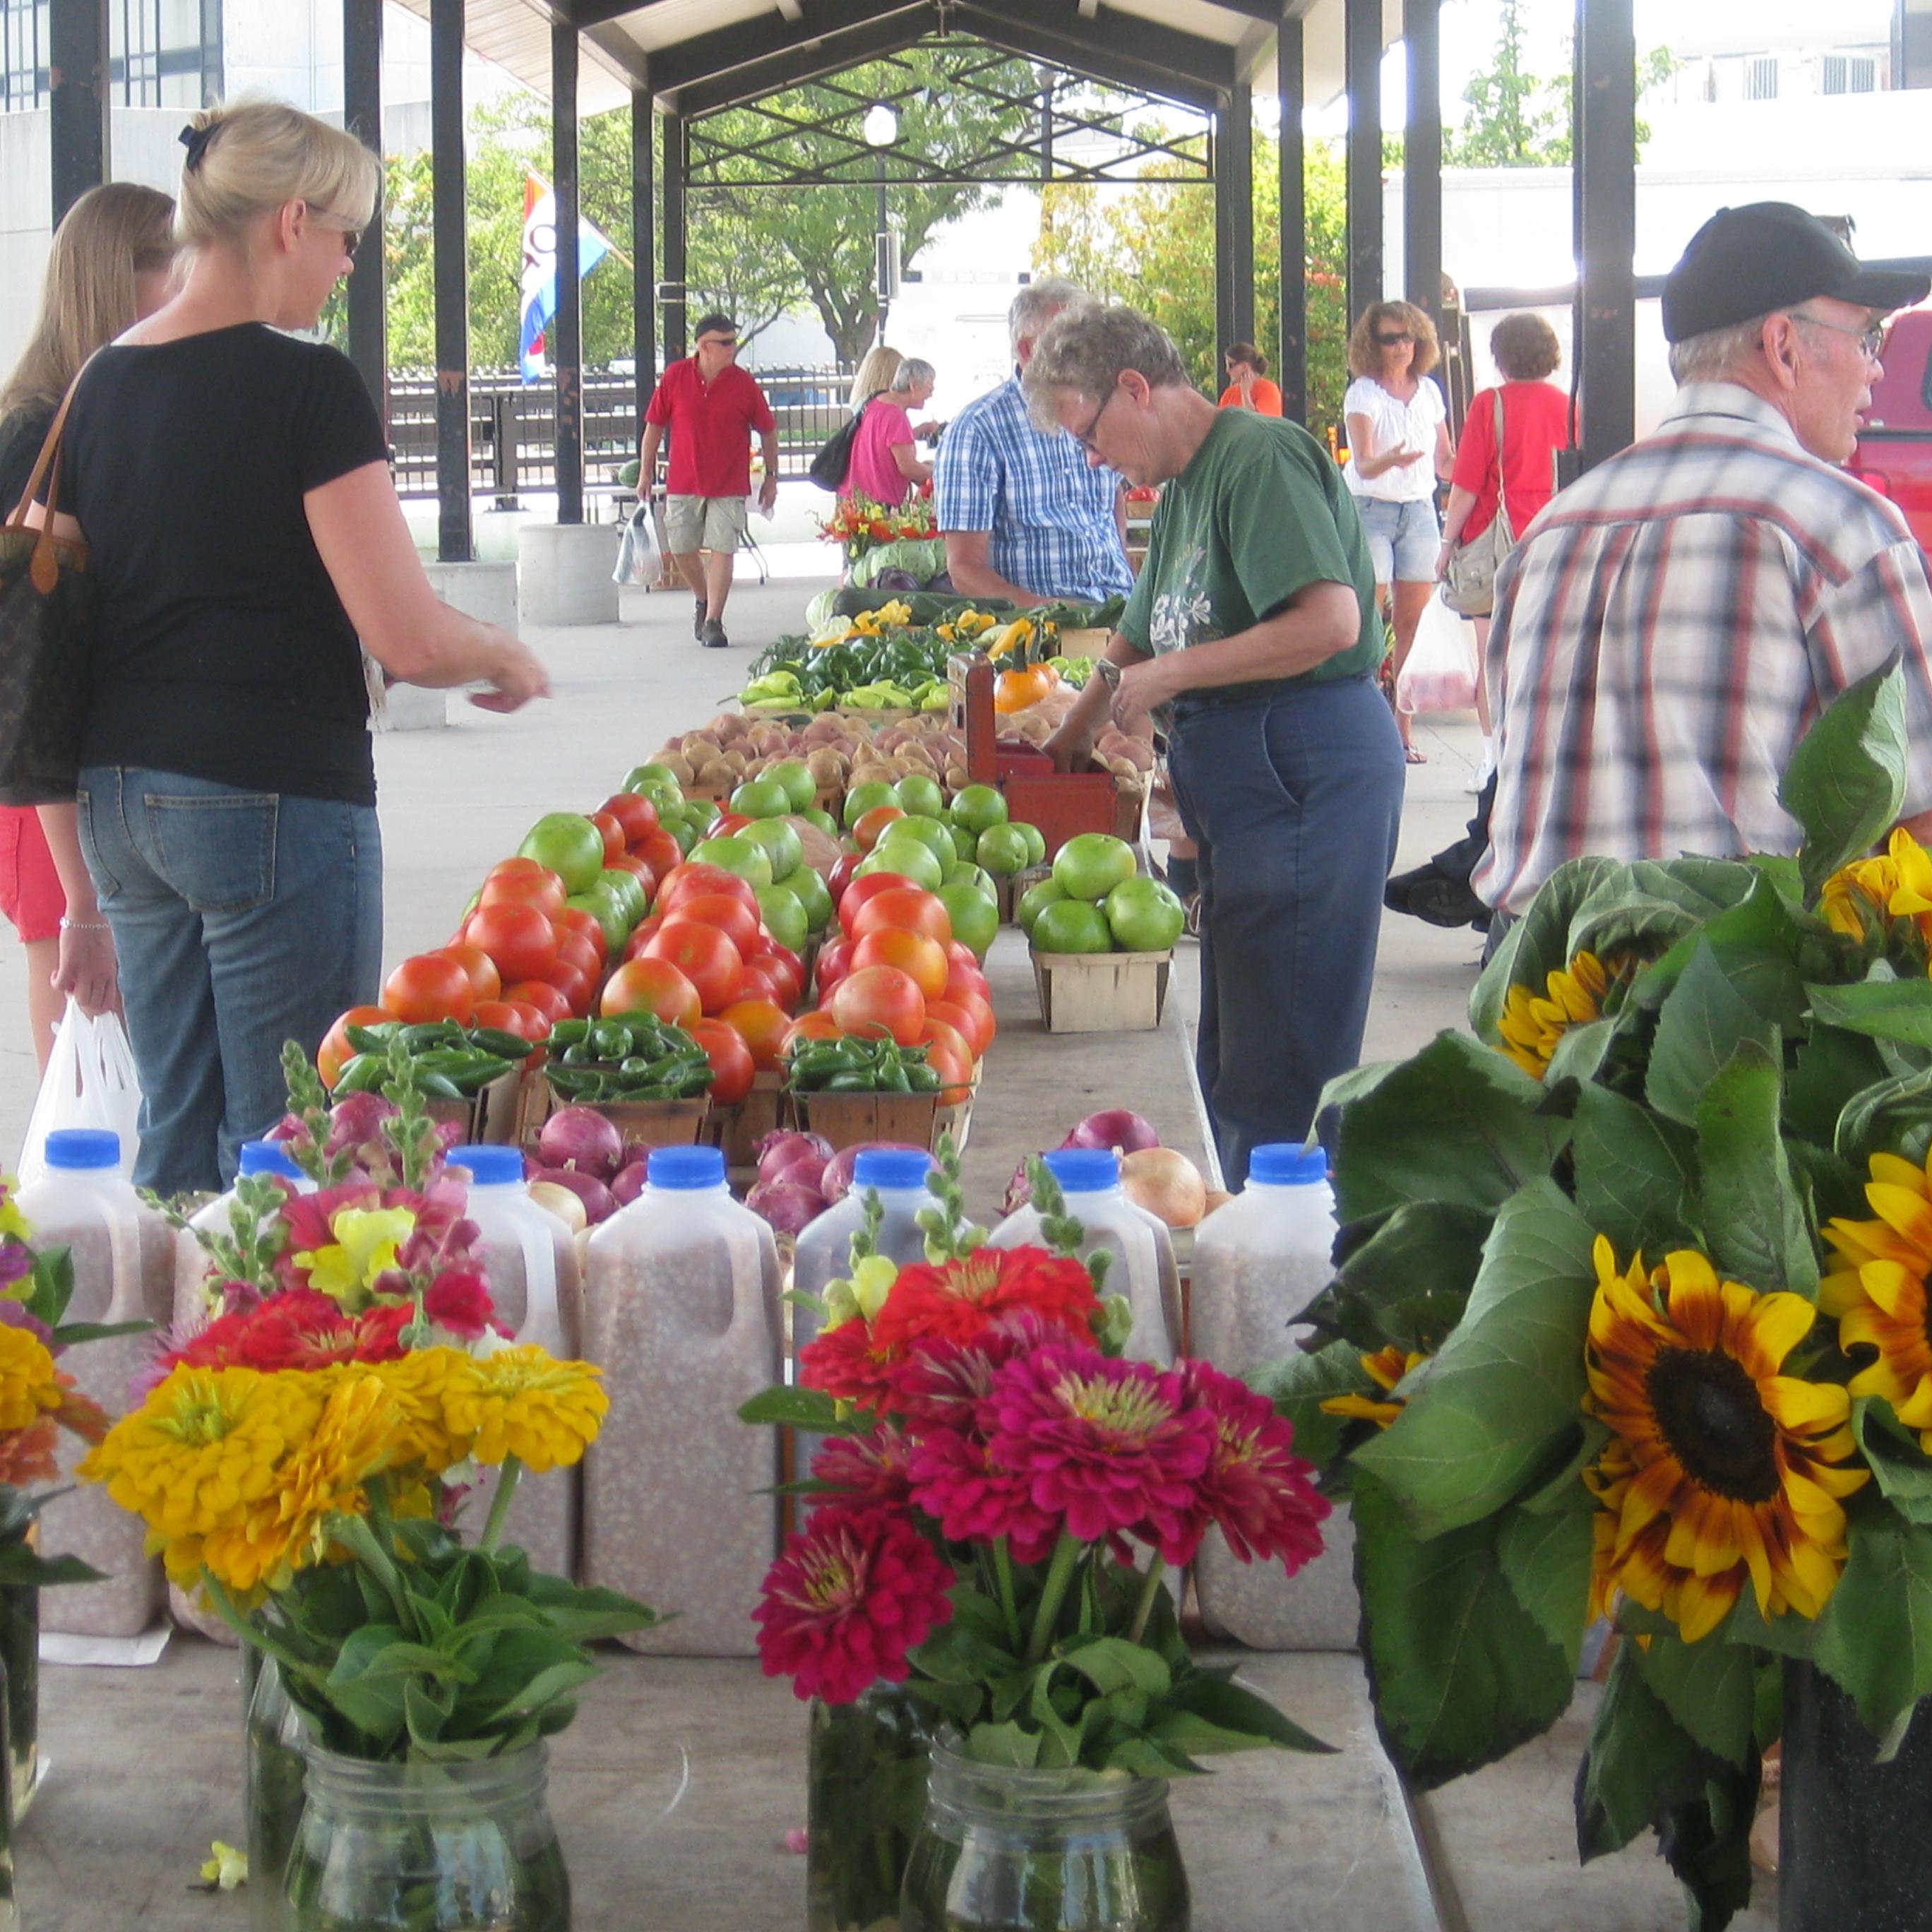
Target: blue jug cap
<point>80,1147</point>
<point>892,1167</point>
<point>1283,1164</point>
<point>685,1168</point>
<point>489,1166</point>
<point>1084,1170</point>
<point>268,1157</point>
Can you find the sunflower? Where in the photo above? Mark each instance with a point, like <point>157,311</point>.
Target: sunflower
<point>1720,1468</point>
<point>1857,898</point>
<point>1911,892</point>
<point>1879,1295</point>
<point>1532,1027</point>
<point>1384,1368</point>
<point>523,1402</point>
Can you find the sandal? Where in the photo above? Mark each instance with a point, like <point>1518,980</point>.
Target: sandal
<point>1414,754</point>
<point>1191,926</point>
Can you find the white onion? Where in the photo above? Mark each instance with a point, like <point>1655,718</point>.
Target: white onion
<point>1167,1184</point>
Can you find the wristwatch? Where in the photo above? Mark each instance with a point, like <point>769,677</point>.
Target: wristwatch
<point>1108,672</point>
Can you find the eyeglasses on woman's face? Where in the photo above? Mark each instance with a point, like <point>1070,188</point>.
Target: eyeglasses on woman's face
<point>1389,337</point>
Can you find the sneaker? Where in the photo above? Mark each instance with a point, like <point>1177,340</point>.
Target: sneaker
<point>1435,897</point>
<point>698,621</point>
<point>711,636</point>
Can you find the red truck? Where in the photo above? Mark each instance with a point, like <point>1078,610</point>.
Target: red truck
<point>1894,452</point>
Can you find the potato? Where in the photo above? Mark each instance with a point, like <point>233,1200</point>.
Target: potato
<point>679,767</point>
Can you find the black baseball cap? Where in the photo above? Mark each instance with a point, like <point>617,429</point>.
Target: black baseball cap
<point>1746,262</point>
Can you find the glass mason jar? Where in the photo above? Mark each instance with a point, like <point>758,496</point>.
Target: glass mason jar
<point>272,1774</point>
<point>865,1798</point>
<point>1006,1850</point>
<point>456,1847</point>
<point>20,1651</point>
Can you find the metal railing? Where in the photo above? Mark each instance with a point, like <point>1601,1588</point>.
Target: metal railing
<point>513,429</point>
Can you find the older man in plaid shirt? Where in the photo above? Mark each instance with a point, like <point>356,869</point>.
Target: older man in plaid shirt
<point>1672,623</point>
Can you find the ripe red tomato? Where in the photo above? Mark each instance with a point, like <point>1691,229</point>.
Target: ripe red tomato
<point>691,878</point>
<point>431,986</point>
<point>964,979</point>
<point>817,1024</point>
<point>574,919</point>
<point>921,958</point>
<point>950,1057</point>
<point>575,984</point>
<point>516,1016</point>
<point>637,816</point>
<point>785,958</point>
<point>971,1015</point>
<point>517,935</point>
<point>641,932</point>
<point>541,995</point>
<point>726,824</point>
<point>762,1024</point>
<point>652,986</point>
<point>833,963</point>
<point>872,825</point>
<point>862,891</point>
<point>962,955</point>
<point>335,1052</point>
<point>731,1065</point>
<point>578,950</point>
<point>765,979</point>
<point>612,831</point>
<point>524,882</point>
<point>703,955</point>
<point>841,876</point>
<point>912,908</point>
<point>485,982</point>
<point>876,1001</point>
<point>629,861</point>
<point>659,850</point>
<point>730,914</point>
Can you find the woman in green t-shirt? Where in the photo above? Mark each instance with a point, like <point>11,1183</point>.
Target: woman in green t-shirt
<point>1252,639</point>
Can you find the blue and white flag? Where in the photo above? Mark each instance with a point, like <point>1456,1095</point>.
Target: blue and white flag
<point>540,269</point>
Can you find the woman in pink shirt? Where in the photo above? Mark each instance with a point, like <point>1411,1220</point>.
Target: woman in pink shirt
<point>885,462</point>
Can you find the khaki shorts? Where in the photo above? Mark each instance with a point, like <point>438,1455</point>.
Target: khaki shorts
<point>703,523</point>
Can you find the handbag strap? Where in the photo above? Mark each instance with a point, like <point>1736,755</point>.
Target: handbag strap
<point>1501,511</point>
<point>48,459</point>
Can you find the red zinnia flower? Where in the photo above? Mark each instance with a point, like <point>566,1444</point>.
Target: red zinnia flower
<point>848,1598</point>
<point>956,1300</point>
<point>302,1329</point>
<point>848,1362</point>
<point>864,1471</point>
<point>1256,1489</point>
<point>1111,1446</point>
<point>941,1384</point>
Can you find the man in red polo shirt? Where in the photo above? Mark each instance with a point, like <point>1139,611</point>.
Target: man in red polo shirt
<point>711,407</point>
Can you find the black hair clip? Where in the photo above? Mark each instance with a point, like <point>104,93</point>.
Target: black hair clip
<point>195,140</point>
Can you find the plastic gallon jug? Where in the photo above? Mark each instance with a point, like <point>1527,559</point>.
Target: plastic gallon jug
<point>679,1291</point>
<point>1143,1267</point>
<point>531,1261</point>
<point>124,1270</point>
<point>1259,1261</point>
<point>195,1270</point>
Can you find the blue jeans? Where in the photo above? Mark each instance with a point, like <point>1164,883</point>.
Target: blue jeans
<point>1294,799</point>
<point>242,919</point>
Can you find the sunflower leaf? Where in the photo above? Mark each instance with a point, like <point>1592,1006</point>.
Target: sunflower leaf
<point>1299,1385</point>
<point>1488,1413</point>
<point>1460,1671</point>
<point>1881,1008</point>
<point>1902,1470</point>
<point>1699,1028</point>
<point>1753,1220</point>
<point>1846,779</point>
<point>1833,1067</point>
<point>1546,1559</point>
<point>1635,1171</point>
<point>1538,944</point>
<point>1409,1282</point>
<point>1709,1689</point>
<point>1875,1637</point>
<point>1890,1116</point>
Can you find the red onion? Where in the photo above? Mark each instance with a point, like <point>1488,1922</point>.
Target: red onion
<point>582,1139</point>
<point>628,1183</point>
<point>789,1207</point>
<point>800,1165</point>
<point>782,1140</point>
<point>598,1204</point>
<point>836,1181</point>
<point>1116,1127</point>
<point>1019,1191</point>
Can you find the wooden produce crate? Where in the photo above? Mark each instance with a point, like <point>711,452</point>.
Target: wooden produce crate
<point>738,1129</point>
<point>1014,887</point>
<point>849,1119</point>
<point>493,1116</point>
<point>1102,992</point>
<point>1090,643</point>
<point>641,1122</point>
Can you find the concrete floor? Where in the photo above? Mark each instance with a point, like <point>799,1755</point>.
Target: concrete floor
<point>145,1764</point>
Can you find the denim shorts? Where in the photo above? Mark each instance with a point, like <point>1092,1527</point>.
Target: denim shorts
<point>1403,538</point>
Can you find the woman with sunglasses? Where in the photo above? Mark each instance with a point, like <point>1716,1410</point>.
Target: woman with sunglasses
<point>1398,446</point>
<point>232,485</point>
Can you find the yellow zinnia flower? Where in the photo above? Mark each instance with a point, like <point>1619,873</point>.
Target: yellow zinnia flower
<point>1385,1368</point>
<point>29,1382</point>
<point>523,1402</point>
<point>1720,1469</point>
<point>365,1245</point>
<point>1532,1027</point>
<point>1878,1296</point>
<point>422,1383</point>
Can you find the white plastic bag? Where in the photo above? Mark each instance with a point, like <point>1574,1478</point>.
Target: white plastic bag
<point>1441,671</point>
<point>637,551</point>
<point>90,1082</point>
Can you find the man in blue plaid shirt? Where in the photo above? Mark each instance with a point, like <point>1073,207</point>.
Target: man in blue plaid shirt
<point>1023,515</point>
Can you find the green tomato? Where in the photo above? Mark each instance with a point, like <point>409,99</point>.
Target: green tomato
<point>908,858</point>
<point>1144,916</point>
<point>762,797</point>
<point>1034,901</point>
<point>1002,851</point>
<point>1036,842</point>
<point>976,919</point>
<point>605,907</point>
<point>823,821</point>
<point>784,915</point>
<point>704,812</point>
<point>626,888</point>
<point>977,876</point>
<point>664,794</point>
<point>977,806</point>
<point>569,845</point>
<point>811,892</point>
<point>638,776</point>
<point>781,843</point>
<point>1091,864</point>
<point>686,833</point>
<point>936,837</point>
<point>924,797</point>
<point>801,788</point>
<point>1072,925</point>
<point>744,856</point>
<point>965,841</point>
<point>861,799</point>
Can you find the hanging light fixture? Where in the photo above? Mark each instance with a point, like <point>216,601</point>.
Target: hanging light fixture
<point>882,125</point>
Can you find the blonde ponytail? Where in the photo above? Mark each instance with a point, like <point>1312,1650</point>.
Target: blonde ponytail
<point>246,159</point>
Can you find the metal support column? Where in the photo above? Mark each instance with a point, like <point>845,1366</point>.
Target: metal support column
<point>1362,31</point>
<point>644,250</point>
<point>1422,160</point>
<point>677,169</point>
<point>78,97</point>
<point>1291,90</point>
<point>362,115</point>
<point>1606,190</point>
<point>455,541</point>
<point>1235,221</point>
<point>566,329</point>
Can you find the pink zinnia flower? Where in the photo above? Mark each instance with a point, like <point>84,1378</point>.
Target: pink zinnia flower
<point>1256,1489</point>
<point>973,1497</point>
<point>864,1471</point>
<point>850,1596</point>
<point>1111,1447</point>
<point>942,1383</point>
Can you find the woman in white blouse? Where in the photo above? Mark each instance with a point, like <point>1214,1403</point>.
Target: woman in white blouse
<point>1398,446</point>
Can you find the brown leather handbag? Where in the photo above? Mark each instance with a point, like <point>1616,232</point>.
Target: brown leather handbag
<point>48,619</point>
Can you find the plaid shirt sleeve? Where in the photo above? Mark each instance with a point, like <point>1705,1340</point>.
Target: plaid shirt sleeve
<point>964,484</point>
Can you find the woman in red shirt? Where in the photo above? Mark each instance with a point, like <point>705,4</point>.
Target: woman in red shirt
<point>1537,423</point>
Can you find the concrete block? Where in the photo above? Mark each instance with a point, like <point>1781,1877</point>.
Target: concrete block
<point>564,573</point>
<point>485,591</point>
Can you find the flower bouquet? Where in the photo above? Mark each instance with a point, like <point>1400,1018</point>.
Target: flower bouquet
<point>858,524</point>
<point>300,1461</point>
<point>1630,1319</point>
<point>993,1513</point>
